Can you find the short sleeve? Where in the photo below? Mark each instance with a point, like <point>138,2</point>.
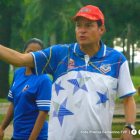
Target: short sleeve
<point>45,61</point>
<point>43,96</point>
<point>10,94</point>
<point>125,85</point>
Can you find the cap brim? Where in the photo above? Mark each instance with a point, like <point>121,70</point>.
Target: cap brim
<point>86,16</point>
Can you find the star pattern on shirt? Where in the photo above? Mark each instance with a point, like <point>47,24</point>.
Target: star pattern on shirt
<point>79,83</point>
<point>78,104</point>
<point>60,111</point>
<point>58,87</point>
<point>103,97</point>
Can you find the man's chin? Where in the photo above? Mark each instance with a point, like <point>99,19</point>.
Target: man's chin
<point>83,44</point>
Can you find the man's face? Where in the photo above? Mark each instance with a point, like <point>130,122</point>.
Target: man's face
<point>87,31</point>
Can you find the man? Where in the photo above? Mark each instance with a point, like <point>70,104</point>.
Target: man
<point>86,77</point>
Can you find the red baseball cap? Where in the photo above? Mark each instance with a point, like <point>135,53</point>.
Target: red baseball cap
<point>90,12</point>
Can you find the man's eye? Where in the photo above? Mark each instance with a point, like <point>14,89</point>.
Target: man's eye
<point>78,25</point>
<point>88,25</point>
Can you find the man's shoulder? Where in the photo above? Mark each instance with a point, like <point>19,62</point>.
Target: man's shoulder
<point>63,45</point>
<point>115,54</point>
<point>112,50</point>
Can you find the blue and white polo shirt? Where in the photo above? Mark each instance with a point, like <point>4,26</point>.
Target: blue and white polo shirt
<point>84,90</point>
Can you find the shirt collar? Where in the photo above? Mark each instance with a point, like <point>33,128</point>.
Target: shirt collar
<point>100,53</point>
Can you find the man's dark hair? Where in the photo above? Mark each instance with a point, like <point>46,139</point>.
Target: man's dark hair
<point>99,22</point>
<point>34,40</point>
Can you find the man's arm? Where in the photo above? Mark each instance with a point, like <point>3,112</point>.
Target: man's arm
<point>15,58</point>
<point>129,109</point>
<point>38,125</point>
<point>8,118</point>
<point>130,116</point>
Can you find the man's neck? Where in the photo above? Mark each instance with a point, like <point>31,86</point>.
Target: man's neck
<point>91,50</point>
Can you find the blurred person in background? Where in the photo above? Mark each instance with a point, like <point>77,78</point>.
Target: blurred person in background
<point>30,101</point>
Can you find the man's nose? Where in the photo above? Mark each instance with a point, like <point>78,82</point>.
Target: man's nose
<point>82,29</point>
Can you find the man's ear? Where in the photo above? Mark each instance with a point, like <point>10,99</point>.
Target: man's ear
<point>102,29</point>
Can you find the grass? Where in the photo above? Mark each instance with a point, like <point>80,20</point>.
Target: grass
<point>3,100</point>
<point>137,71</point>
<point>136,81</point>
<point>1,118</point>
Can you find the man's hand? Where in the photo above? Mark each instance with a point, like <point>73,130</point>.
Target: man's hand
<point>126,135</point>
